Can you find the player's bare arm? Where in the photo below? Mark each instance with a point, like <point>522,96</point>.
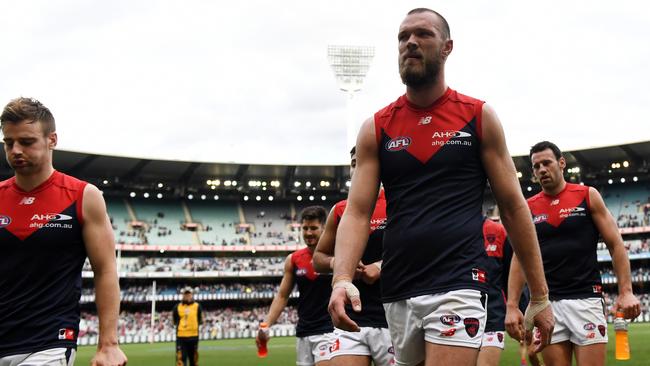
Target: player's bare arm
<point>281,298</point>
<point>514,318</point>
<point>323,259</point>
<point>515,214</point>
<point>355,225</point>
<point>626,301</point>
<point>100,246</point>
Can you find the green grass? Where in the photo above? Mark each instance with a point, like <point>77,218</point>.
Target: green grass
<point>282,351</point>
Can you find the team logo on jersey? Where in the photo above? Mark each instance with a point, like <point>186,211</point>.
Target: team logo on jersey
<point>4,221</point>
<point>500,337</point>
<point>555,202</point>
<point>66,334</point>
<point>591,335</point>
<point>424,120</point>
<point>51,217</point>
<point>538,219</point>
<point>450,319</point>
<point>478,275</point>
<point>398,143</point>
<point>301,272</point>
<point>391,350</point>
<point>602,330</point>
<point>590,326</point>
<point>471,326</point>
<point>598,289</point>
<point>27,200</point>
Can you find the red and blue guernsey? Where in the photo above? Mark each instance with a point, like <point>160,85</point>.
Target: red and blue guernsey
<point>497,248</point>
<point>40,266</point>
<point>372,313</point>
<point>315,290</point>
<point>568,240</point>
<point>434,181</point>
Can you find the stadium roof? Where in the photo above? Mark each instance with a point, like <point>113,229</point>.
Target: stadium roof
<point>118,174</point>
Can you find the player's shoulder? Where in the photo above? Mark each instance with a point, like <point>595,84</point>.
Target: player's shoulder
<point>7,183</point>
<point>457,97</point>
<point>69,182</point>
<point>572,187</point>
<point>535,199</point>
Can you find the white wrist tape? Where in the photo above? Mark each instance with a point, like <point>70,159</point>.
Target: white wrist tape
<point>534,308</point>
<point>350,289</point>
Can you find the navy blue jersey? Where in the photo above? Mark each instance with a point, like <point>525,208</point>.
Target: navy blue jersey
<point>434,180</point>
<point>372,311</point>
<point>315,290</point>
<point>40,266</point>
<point>568,240</point>
<point>496,246</point>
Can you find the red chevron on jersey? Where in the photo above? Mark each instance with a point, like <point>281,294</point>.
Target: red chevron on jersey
<point>422,132</point>
<point>41,207</point>
<point>555,209</point>
<point>302,264</point>
<point>495,237</point>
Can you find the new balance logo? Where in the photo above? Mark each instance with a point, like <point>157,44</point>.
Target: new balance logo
<point>27,200</point>
<point>424,121</point>
<point>555,202</point>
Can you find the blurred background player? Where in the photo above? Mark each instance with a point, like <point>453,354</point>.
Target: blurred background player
<point>433,149</point>
<point>188,317</point>
<point>372,343</point>
<point>54,222</point>
<point>569,219</point>
<point>498,249</point>
<point>314,324</point>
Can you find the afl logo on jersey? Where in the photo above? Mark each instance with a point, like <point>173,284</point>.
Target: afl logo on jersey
<point>398,143</point>
<point>4,221</point>
<point>540,218</point>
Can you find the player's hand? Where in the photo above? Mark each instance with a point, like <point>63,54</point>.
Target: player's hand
<point>545,322</point>
<point>629,305</point>
<point>338,299</point>
<point>515,323</point>
<point>371,274</point>
<point>358,272</point>
<point>109,356</point>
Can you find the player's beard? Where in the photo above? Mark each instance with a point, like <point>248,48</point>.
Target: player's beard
<point>417,78</point>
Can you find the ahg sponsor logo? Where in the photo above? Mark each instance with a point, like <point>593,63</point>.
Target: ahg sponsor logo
<point>51,217</point>
<point>450,134</point>
<point>398,143</point>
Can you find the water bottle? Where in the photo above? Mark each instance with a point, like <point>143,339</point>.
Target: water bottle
<point>622,343</point>
<point>262,351</point>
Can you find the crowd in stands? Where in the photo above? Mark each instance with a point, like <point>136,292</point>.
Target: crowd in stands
<point>222,264</point>
<point>218,323</point>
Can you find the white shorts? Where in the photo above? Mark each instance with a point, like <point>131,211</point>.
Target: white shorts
<point>494,339</point>
<point>373,342</point>
<point>580,321</point>
<point>454,318</point>
<point>49,357</point>
<point>313,349</point>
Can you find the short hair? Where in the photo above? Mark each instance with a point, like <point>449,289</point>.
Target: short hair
<point>445,26</point>
<point>314,213</point>
<point>543,145</point>
<point>30,110</point>
<point>353,151</point>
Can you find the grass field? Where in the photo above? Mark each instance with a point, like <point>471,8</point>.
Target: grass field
<point>239,352</point>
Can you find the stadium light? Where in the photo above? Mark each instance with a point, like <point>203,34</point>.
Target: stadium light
<point>622,180</point>
<point>160,185</point>
<point>132,194</point>
<point>105,182</point>
<point>635,179</point>
<point>245,198</point>
<point>203,197</point>
<point>610,181</point>
<point>299,198</point>
<point>146,195</point>
<point>258,198</point>
<point>311,198</point>
<point>350,65</point>
<point>323,198</point>
<point>307,184</point>
<point>216,197</point>
<point>529,188</point>
<point>626,163</point>
<point>159,195</point>
<point>296,184</point>
<point>519,174</point>
<point>348,183</point>
<point>270,198</point>
<point>190,196</point>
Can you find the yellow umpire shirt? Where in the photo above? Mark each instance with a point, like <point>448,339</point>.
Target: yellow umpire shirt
<point>188,316</point>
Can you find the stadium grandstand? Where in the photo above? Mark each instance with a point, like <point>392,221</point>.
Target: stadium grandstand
<point>225,230</point>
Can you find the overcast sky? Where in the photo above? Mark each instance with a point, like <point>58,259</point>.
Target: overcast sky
<point>249,81</point>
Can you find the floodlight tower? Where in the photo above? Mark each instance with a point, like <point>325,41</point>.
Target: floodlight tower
<point>350,65</point>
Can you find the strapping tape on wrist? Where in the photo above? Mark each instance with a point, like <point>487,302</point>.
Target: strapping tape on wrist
<point>534,308</point>
<point>350,289</point>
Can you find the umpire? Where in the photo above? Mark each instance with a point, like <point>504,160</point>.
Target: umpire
<point>187,318</point>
